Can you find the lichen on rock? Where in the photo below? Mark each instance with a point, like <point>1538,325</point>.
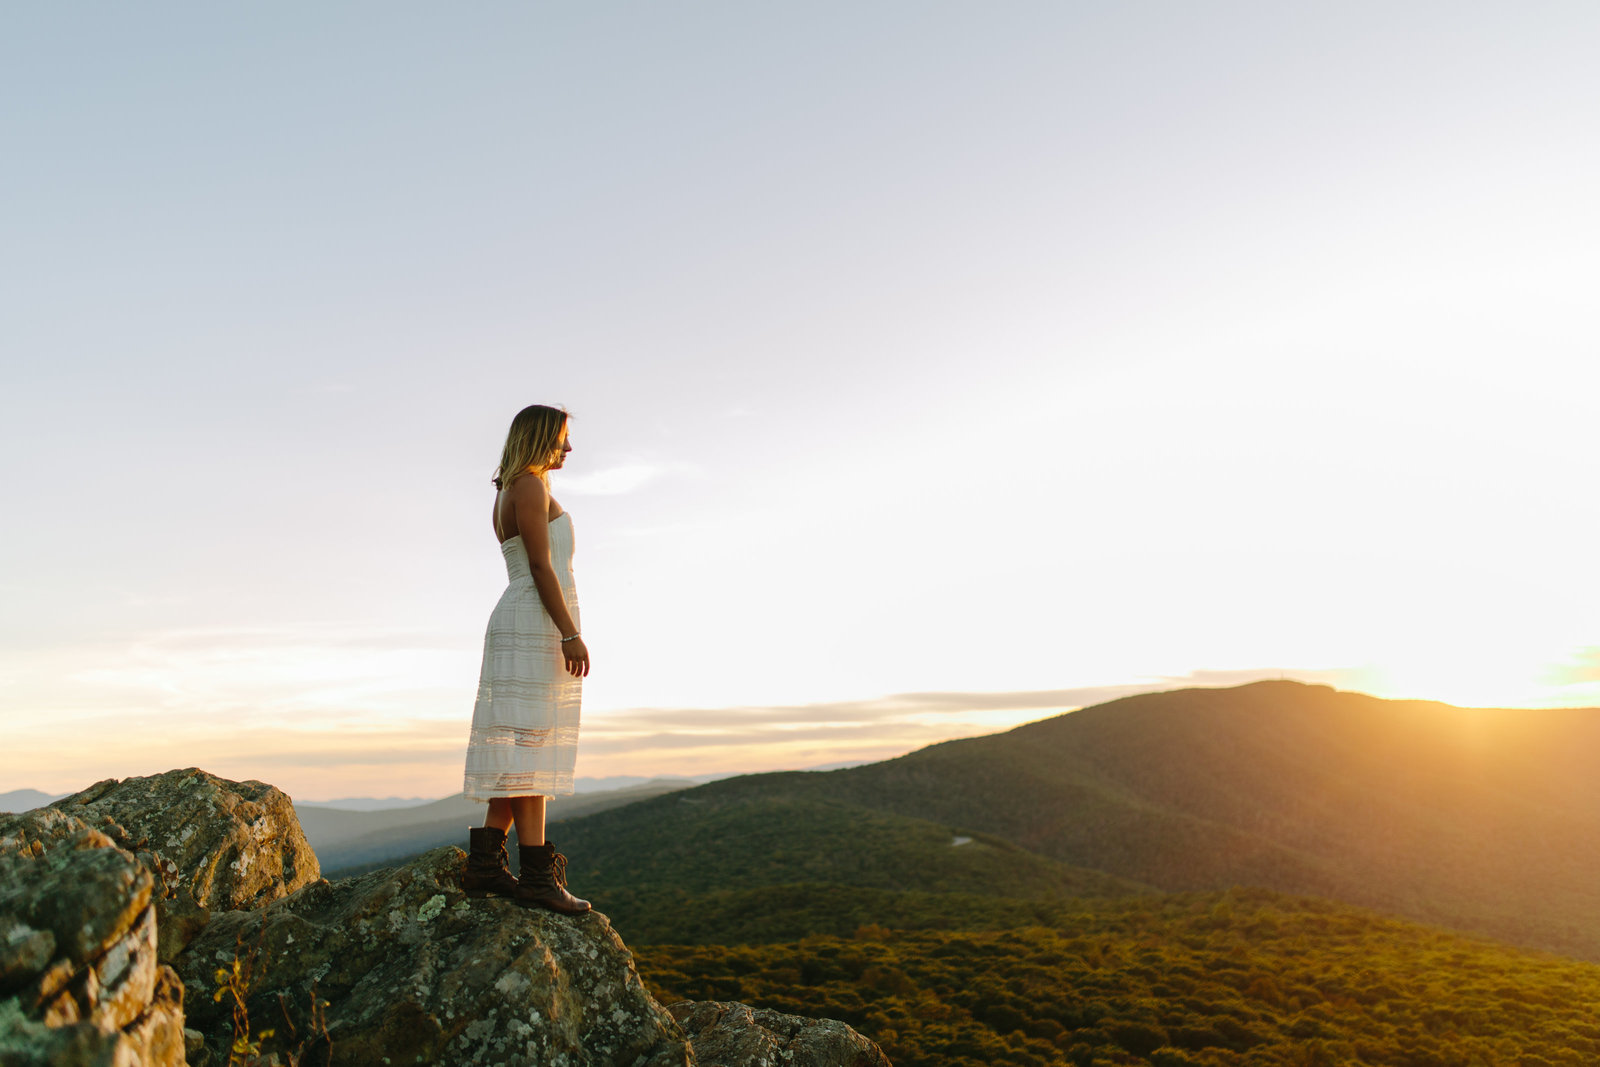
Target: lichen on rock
<point>736,1035</point>
<point>227,845</point>
<point>80,981</point>
<point>411,976</point>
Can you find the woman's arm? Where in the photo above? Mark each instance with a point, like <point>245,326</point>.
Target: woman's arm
<point>531,500</point>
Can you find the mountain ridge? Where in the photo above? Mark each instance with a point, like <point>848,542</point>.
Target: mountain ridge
<point>1484,820</point>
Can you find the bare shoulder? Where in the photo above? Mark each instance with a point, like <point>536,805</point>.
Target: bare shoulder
<point>529,489</point>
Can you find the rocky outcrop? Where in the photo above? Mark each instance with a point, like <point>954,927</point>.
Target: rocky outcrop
<point>737,1035</point>
<point>100,891</point>
<point>227,844</point>
<point>410,967</point>
<point>211,843</point>
<point>79,979</point>
<point>106,886</point>
<point>33,833</point>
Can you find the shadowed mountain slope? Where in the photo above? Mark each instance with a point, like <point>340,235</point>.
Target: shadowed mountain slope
<point>747,839</point>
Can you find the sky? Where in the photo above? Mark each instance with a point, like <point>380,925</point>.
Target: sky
<point>933,367</point>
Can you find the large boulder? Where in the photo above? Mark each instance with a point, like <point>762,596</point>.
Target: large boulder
<point>412,971</point>
<point>737,1035</point>
<point>211,844</point>
<point>79,979</point>
<point>227,845</point>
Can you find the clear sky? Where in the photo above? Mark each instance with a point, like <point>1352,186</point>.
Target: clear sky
<point>933,367</point>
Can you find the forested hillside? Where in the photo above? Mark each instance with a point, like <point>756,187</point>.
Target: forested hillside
<point>1244,977</point>
<point>700,842</point>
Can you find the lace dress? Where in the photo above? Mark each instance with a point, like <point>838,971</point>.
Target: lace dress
<point>524,739</point>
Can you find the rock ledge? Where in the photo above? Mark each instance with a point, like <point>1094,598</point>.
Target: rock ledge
<point>116,901</point>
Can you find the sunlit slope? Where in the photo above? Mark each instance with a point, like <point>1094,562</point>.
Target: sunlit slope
<point>1484,819</point>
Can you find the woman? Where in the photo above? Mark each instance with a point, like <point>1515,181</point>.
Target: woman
<point>524,737</point>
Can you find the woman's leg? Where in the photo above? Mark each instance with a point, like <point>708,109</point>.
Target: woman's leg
<point>526,812</point>
<point>529,815</point>
<point>499,814</point>
<point>544,871</point>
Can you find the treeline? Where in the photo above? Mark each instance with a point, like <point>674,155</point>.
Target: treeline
<point>1244,977</point>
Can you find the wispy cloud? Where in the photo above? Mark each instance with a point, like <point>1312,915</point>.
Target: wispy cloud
<point>877,710</point>
<point>900,737</point>
<point>910,706</point>
<point>689,740</point>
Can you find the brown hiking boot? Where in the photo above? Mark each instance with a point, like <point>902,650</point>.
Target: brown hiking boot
<point>544,880</point>
<point>487,873</point>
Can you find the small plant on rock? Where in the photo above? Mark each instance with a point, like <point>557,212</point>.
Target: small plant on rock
<point>233,981</point>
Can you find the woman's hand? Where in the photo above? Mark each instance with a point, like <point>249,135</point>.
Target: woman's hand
<point>577,657</point>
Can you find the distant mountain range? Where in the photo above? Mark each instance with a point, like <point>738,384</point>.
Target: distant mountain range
<point>26,799</point>
<point>367,803</point>
<point>1484,820</point>
<point>582,786</point>
<point>351,842</point>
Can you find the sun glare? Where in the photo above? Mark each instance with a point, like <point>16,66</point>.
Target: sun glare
<point>1467,680</point>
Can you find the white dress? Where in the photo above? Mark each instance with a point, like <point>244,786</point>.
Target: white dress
<point>524,739</point>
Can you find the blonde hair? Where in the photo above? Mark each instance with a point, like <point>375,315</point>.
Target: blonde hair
<point>533,444</point>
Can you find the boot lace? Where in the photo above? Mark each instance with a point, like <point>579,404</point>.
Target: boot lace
<point>558,870</point>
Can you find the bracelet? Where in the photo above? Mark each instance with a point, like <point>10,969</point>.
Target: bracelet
<point>574,637</point>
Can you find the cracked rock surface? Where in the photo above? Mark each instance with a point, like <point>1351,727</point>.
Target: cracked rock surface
<point>416,972</point>
<point>727,1034</point>
<point>79,979</point>
<point>225,845</point>
<point>209,843</point>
